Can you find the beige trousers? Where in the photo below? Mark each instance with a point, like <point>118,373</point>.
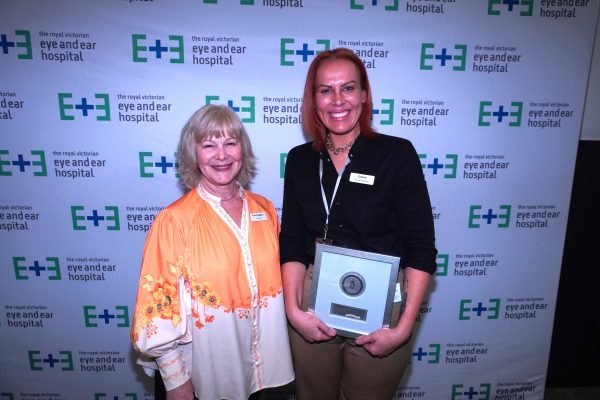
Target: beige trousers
<point>340,370</point>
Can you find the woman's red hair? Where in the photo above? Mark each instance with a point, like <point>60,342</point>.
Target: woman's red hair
<point>311,122</point>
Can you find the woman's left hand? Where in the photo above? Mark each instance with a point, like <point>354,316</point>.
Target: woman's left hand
<point>383,342</point>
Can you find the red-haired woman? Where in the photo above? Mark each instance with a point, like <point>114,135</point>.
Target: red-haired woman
<point>359,189</point>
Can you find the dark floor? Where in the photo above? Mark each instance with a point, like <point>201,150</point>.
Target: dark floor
<point>579,393</point>
<point>575,393</point>
<point>582,393</point>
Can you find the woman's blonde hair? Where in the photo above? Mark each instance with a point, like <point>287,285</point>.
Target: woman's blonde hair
<point>212,121</point>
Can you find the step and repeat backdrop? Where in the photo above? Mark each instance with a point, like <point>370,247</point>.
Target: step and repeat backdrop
<point>93,95</point>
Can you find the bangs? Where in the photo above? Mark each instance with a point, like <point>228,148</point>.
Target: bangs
<point>217,123</point>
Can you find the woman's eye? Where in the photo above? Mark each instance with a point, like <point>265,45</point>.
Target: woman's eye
<point>348,88</point>
<point>325,91</point>
<point>207,145</point>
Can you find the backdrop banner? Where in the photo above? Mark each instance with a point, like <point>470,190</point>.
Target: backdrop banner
<point>93,96</point>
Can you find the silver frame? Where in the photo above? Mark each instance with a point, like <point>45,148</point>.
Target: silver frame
<point>380,289</point>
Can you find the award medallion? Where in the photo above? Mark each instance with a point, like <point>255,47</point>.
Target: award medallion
<point>352,284</point>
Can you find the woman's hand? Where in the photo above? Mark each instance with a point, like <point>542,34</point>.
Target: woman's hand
<point>383,342</point>
<point>311,328</point>
<point>183,392</point>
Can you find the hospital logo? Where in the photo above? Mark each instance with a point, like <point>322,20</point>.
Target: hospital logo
<point>432,57</point>
<point>245,107</point>
<point>445,167</point>
<point>429,355</point>
<point>170,49</point>
<point>106,219</point>
<point>125,396</point>
<point>500,114</point>
<point>33,163</point>
<point>98,107</point>
<point>442,262</point>
<point>471,309</point>
<point>62,360</point>
<point>149,165</point>
<point>523,7</point>
<point>499,218</point>
<point>462,392</point>
<point>242,2</point>
<point>290,51</point>
<point>385,112</point>
<point>388,5</point>
<point>49,268</point>
<point>118,317</point>
<point>19,45</point>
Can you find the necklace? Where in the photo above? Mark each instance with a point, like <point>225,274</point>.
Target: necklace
<point>336,150</point>
<point>236,193</point>
<point>232,197</point>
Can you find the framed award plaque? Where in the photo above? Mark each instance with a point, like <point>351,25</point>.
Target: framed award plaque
<point>353,290</point>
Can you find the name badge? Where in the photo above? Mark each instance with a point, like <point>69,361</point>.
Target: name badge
<point>362,178</point>
<point>259,216</point>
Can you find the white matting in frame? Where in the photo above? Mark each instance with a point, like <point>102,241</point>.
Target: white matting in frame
<point>353,290</point>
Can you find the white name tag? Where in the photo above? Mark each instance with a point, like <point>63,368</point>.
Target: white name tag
<point>362,178</point>
<point>259,216</point>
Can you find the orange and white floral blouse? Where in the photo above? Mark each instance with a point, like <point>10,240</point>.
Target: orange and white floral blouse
<point>210,305</point>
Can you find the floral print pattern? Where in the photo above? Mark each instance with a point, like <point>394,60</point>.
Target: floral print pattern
<point>164,303</point>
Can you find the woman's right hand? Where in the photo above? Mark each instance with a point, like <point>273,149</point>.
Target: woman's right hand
<point>183,392</point>
<point>310,327</point>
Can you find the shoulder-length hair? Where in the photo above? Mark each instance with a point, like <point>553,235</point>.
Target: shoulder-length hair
<point>311,122</point>
<point>207,122</point>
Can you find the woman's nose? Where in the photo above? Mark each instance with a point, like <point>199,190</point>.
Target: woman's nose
<point>338,98</point>
<point>221,153</point>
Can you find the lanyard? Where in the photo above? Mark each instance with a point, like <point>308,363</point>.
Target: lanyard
<point>337,184</point>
